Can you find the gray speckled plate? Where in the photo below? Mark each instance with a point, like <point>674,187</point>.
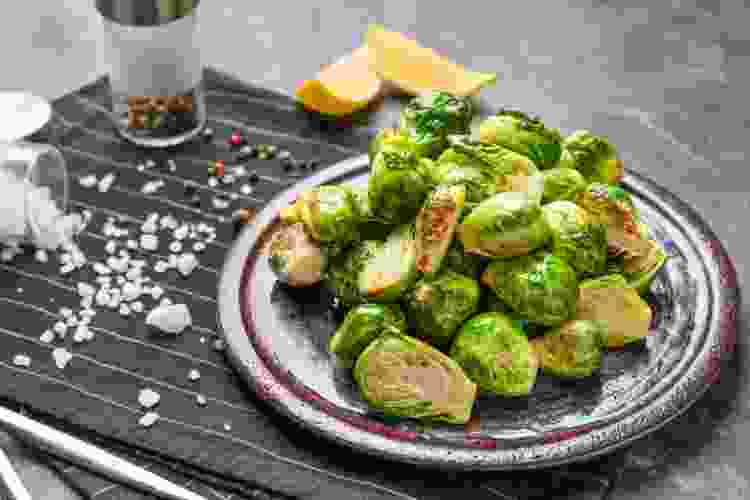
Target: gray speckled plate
<point>277,339</point>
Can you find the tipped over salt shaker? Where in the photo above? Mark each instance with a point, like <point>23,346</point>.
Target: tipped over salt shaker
<point>155,70</point>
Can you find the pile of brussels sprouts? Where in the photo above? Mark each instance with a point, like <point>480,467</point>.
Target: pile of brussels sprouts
<point>472,262</point>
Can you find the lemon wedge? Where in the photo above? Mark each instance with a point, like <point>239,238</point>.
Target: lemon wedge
<point>340,89</point>
<point>416,69</point>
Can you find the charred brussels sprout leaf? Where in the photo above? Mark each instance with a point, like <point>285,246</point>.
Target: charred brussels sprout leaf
<point>541,287</point>
<point>640,270</point>
<point>437,307</point>
<point>436,224</point>
<point>430,118</point>
<point>496,355</point>
<point>404,377</point>
<point>562,184</point>
<point>572,350</point>
<point>343,273</point>
<point>392,269</point>
<point>519,132</point>
<point>506,225</point>
<point>576,239</point>
<point>397,185</point>
<point>611,300</point>
<point>362,325</point>
<point>295,258</point>
<point>593,156</point>
<point>457,260</point>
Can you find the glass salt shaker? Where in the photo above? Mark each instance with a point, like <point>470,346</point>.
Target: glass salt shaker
<point>155,70</point>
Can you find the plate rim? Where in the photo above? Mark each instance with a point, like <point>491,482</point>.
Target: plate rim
<point>319,418</point>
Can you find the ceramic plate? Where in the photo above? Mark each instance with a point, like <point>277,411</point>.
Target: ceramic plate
<point>277,336</point>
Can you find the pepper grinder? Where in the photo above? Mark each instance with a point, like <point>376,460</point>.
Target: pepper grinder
<point>155,72</point>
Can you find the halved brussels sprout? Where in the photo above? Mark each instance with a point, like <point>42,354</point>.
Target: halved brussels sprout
<point>342,275</point>
<point>397,185</point>
<point>457,260</point>
<point>613,207</point>
<point>593,156</point>
<point>612,300</point>
<point>295,258</point>
<point>506,225</point>
<point>436,224</point>
<point>529,136</point>
<point>392,269</point>
<point>431,117</point>
<point>455,169</point>
<point>574,349</point>
<point>496,354</point>
<point>404,377</point>
<point>540,287</point>
<point>511,171</point>
<point>562,184</point>
<point>640,270</point>
<point>576,239</point>
<point>383,136</point>
<point>437,307</point>
<point>330,214</point>
<point>362,325</point>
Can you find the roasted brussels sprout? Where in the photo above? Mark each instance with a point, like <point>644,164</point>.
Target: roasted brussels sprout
<point>397,185</point>
<point>362,325</point>
<point>510,171</point>
<point>562,184</point>
<point>612,206</point>
<point>458,261</point>
<point>576,239</point>
<point>404,377</point>
<point>431,117</point>
<point>506,225</point>
<point>612,300</point>
<point>518,131</point>
<point>572,350</point>
<point>540,287</point>
<point>343,272</point>
<point>593,156</point>
<point>456,169</point>
<point>392,269</point>
<point>640,270</point>
<point>436,224</point>
<point>496,354</point>
<point>295,258</point>
<point>330,214</point>
<point>437,307</point>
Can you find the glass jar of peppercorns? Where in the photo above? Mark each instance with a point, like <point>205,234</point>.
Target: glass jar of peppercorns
<point>155,71</point>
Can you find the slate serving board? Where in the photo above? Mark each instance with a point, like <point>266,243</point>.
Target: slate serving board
<point>234,446</point>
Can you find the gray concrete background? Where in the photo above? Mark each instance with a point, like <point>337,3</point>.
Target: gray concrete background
<point>666,80</point>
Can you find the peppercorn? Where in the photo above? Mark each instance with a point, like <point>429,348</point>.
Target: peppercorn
<point>219,168</point>
<point>195,200</point>
<point>236,139</point>
<point>208,134</point>
<point>253,178</point>
<point>288,163</point>
<point>190,190</point>
<point>263,155</point>
<point>314,163</point>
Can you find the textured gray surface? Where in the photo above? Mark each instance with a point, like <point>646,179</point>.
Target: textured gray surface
<point>664,78</point>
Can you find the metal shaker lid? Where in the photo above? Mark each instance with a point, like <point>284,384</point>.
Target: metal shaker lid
<point>145,12</point>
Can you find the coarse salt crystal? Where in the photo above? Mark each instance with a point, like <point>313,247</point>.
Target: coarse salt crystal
<point>150,163</point>
<point>172,165</point>
<point>161,266</point>
<point>194,375</point>
<point>60,328</point>
<point>181,232</point>
<point>66,312</point>
<point>156,292</point>
<point>22,360</point>
<point>152,187</point>
<point>166,301</point>
<point>148,419</point>
<point>41,255</point>
<point>72,321</point>
<point>227,426</point>
<point>186,263</point>
<point>67,269</point>
<point>172,260</point>
<point>132,244</point>
<point>81,334</point>
<point>87,181</point>
<point>246,189</point>
<point>199,246</point>
<point>202,340</point>
<point>47,336</point>
<point>110,247</point>
<point>106,182</point>
<point>175,246</point>
<point>86,302</point>
<point>136,306</point>
<point>62,357</point>
<point>212,182</point>
<point>133,273</point>
<point>148,398</point>
<point>200,399</point>
<point>169,222</point>
<point>130,291</point>
<point>149,242</point>
<point>104,280</point>
<point>149,227</point>
<point>120,280</point>
<point>218,345</point>
<point>170,318</point>
<point>124,310</point>
<point>101,269</point>
<point>219,203</point>
<point>88,313</point>
<point>102,298</point>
